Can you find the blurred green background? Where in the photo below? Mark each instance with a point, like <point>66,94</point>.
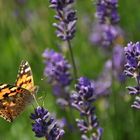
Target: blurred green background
<point>26,31</point>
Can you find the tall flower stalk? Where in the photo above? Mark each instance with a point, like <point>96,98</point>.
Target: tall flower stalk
<point>132,70</point>
<point>66,25</point>
<point>82,100</point>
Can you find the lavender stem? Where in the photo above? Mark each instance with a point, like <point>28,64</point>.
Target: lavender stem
<point>72,59</point>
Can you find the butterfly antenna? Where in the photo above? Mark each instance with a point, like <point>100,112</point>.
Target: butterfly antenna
<point>43,101</point>
<point>35,100</point>
<point>35,91</point>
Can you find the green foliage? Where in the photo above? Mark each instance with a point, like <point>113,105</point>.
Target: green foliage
<point>26,37</point>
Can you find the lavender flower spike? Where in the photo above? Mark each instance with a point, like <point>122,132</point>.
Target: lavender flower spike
<point>118,60</point>
<point>136,103</point>
<point>57,68</point>
<point>132,69</point>
<point>132,53</point>
<point>105,31</point>
<point>57,71</point>
<point>82,99</point>
<point>66,17</point>
<point>107,11</point>
<point>44,125</point>
<point>104,34</point>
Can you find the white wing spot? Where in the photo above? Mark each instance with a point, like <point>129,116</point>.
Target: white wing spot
<point>21,71</point>
<point>26,63</point>
<point>4,85</point>
<point>28,69</point>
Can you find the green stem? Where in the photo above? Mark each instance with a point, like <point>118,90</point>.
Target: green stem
<point>72,59</point>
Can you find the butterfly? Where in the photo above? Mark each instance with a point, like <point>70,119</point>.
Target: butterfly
<point>14,98</point>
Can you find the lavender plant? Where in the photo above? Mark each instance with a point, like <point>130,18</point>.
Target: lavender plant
<point>118,61</point>
<point>65,30</point>
<point>66,17</point>
<point>44,125</point>
<point>82,100</point>
<point>107,11</point>
<point>132,70</point>
<point>109,35</point>
<point>106,33</point>
<point>66,25</point>
<point>105,30</point>
<point>57,71</point>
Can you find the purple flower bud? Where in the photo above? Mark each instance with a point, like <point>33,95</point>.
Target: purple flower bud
<point>132,66</point>
<point>45,125</point>
<point>85,88</point>
<point>132,53</point>
<point>57,68</point>
<point>83,126</point>
<point>136,103</point>
<point>107,11</point>
<point>60,4</point>
<point>104,34</point>
<point>58,74</point>
<point>118,63</point>
<point>66,17</point>
<point>98,134</point>
<point>134,90</point>
<point>82,100</point>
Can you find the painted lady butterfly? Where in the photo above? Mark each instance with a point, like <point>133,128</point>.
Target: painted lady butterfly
<point>14,98</point>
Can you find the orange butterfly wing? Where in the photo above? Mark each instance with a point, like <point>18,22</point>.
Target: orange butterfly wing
<point>25,78</point>
<point>13,99</point>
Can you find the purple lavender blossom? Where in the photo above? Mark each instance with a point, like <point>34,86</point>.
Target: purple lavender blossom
<point>118,62</point>
<point>84,96</point>
<point>105,31</point>
<point>104,81</point>
<point>134,90</point>
<point>44,125</point>
<point>58,74</point>
<point>132,53</point>
<point>82,99</point>
<point>66,17</point>
<point>60,4</point>
<point>136,103</point>
<point>107,11</point>
<point>132,69</point>
<point>57,68</point>
<point>94,135</point>
<point>104,34</point>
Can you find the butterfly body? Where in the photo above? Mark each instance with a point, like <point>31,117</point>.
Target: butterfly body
<point>14,98</point>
